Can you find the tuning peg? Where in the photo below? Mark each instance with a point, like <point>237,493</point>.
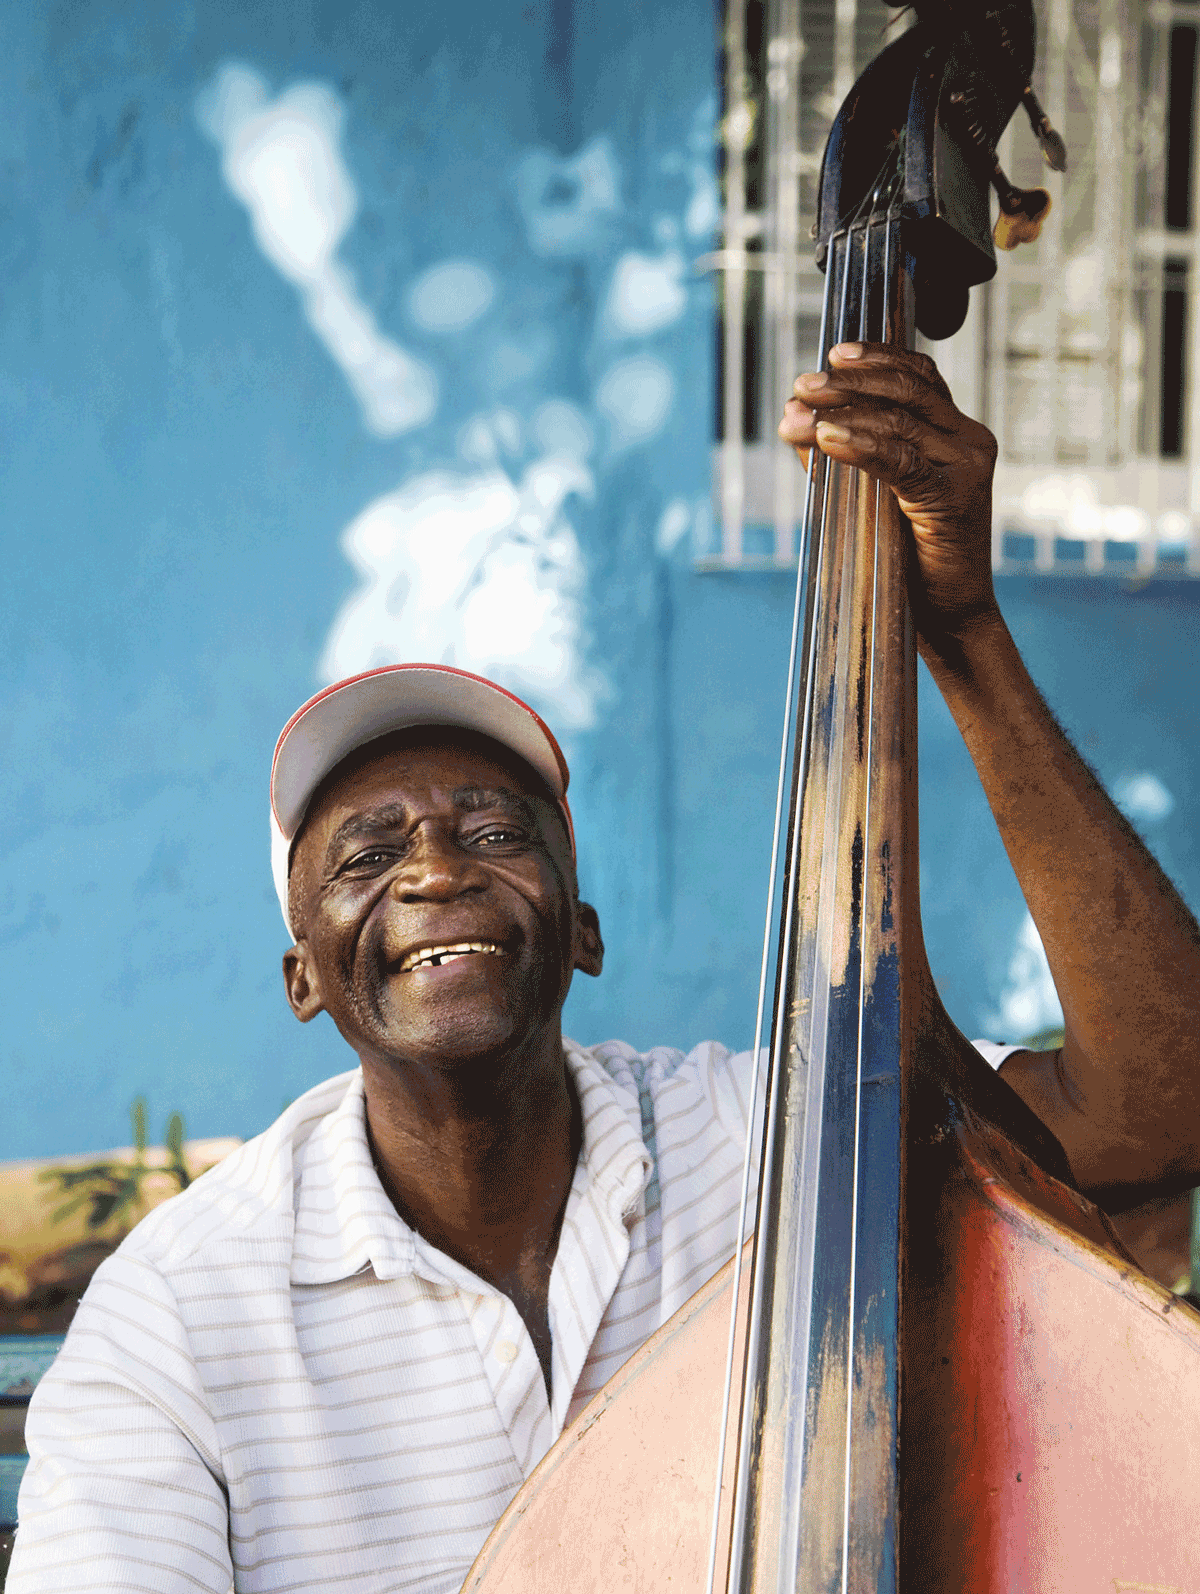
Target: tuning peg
<point>1054,151</point>
<point>1022,211</point>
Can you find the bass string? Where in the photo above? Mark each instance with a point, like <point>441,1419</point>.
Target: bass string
<point>804,626</point>
<point>756,1064</point>
<point>889,228</point>
<point>831,474</point>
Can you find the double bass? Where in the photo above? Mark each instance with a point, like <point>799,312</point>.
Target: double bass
<point>952,1375</point>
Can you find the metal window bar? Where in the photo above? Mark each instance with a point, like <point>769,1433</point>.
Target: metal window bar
<point>781,88</point>
<point>1083,355</point>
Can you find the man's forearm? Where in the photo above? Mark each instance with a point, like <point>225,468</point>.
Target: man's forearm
<point>1124,1094</point>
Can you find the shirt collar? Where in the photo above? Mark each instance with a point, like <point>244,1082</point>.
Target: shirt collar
<point>344,1219</point>
<point>346,1222</point>
<point>613,1155</point>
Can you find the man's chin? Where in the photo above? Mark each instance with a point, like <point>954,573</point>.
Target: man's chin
<point>456,1024</point>
<point>460,1049</point>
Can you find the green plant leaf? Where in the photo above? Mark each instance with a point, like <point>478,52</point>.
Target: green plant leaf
<point>137,1113</point>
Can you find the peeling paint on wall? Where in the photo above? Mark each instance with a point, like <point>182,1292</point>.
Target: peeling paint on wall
<point>479,567</point>
<point>1028,1003</point>
<point>570,205</point>
<point>282,159</point>
<point>472,569</point>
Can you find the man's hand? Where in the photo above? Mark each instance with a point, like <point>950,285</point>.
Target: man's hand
<point>888,412</point>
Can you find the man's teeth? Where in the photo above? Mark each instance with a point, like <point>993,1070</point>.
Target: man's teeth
<point>432,957</point>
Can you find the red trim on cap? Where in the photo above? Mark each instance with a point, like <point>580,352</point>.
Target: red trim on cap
<point>438,669</point>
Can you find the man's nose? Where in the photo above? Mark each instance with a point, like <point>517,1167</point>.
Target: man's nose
<point>437,867</point>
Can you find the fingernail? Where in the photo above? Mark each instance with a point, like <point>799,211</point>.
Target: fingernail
<point>812,380</point>
<point>846,351</point>
<point>827,432</point>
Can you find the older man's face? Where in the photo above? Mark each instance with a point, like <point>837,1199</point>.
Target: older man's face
<point>434,895</point>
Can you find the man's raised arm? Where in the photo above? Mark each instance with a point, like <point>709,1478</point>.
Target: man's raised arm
<point>1123,1094</point>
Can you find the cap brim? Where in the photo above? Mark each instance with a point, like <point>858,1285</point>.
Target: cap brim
<point>354,712</point>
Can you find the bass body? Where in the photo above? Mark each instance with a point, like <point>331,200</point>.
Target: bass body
<point>1048,1439</point>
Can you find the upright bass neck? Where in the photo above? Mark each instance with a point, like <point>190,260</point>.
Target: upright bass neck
<point>817,1491</point>
<point>857,1022</point>
<point>902,235</point>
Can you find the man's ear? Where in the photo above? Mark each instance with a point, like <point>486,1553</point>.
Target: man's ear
<point>302,983</point>
<point>589,944</point>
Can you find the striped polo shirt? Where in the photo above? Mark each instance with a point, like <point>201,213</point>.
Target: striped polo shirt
<point>277,1384</point>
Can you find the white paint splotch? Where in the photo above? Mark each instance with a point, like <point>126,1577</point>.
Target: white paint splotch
<point>1028,1002</point>
<point>1143,798</point>
<point>570,206</point>
<point>673,526</point>
<point>282,158</point>
<point>477,568</point>
<point>635,397</point>
<point>451,296</point>
<point>477,563</point>
<point>646,294</point>
<point>560,427</point>
<point>703,215</point>
<point>702,212</point>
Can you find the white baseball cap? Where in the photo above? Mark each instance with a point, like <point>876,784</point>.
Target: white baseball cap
<point>351,713</point>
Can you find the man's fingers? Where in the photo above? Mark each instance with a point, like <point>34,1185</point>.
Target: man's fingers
<point>866,356</point>
<point>873,375</point>
<point>896,448</point>
<point>887,411</point>
<point>798,427</point>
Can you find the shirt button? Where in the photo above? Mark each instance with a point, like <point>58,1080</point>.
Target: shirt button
<point>506,1351</point>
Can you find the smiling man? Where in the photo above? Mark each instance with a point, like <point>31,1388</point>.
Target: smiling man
<point>432,892</point>
<point>332,1361</point>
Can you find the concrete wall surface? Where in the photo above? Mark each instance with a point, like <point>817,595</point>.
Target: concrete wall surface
<point>340,333</point>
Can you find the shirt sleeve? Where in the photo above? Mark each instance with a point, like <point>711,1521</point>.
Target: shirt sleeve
<point>994,1053</point>
<point>123,1490</point>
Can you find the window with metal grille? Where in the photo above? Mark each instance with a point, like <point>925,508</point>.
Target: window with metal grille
<point>1081,355</point>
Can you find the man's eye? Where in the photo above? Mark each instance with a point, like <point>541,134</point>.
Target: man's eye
<point>369,861</point>
<point>496,836</point>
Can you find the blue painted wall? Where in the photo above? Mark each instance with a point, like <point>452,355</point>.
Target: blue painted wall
<point>512,201</point>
